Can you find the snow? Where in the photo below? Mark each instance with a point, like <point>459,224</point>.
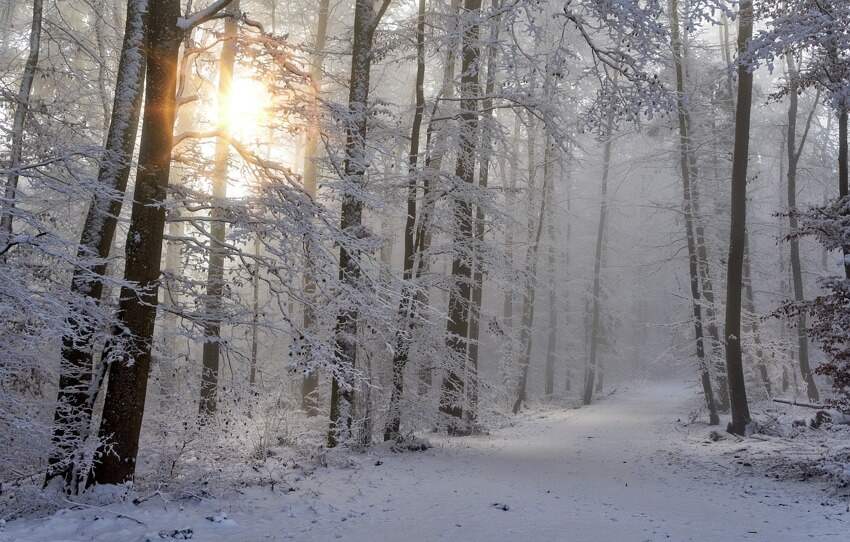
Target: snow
<point>624,469</point>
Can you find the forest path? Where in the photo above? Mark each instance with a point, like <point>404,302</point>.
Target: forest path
<point>620,470</point>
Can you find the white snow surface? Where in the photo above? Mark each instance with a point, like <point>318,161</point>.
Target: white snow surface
<point>624,469</point>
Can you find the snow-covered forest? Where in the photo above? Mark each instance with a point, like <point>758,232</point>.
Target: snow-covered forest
<point>467,270</point>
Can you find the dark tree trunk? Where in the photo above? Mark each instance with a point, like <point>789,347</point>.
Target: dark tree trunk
<point>342,386</point>
<point>76,388</point>
<point>842,173</point>
<point>457,327</point>
<point>129,353</point>
<point>483,180</point>
<point>408,300</point>
<point>737,236</point>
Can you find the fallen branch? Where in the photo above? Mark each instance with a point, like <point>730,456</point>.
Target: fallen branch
<point>795,403</point>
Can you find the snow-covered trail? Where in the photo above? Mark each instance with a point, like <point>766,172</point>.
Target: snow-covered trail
<point>620,470</point>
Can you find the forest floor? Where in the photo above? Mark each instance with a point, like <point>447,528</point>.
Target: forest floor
<point>628,468</point>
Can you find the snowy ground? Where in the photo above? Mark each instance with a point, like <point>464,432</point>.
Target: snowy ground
<point>625,469</point>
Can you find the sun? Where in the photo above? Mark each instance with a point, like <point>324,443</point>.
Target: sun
<point>247,109</point>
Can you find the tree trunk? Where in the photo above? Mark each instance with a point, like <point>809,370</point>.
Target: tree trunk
<point>457,328</point>
<point>407,305</point>
<point>22,106</point>
<point>483,180</point>
<point>737,235</point>
<point>310,381</point>
<point>796,269</point>
<point>750,307</point>
<point>842,173</point>
<point>552,341</point>
<point>76,386</point>
<point>693,257</point>
<point>528,297</point>
<point>590,377</point>
<point>218,228</point>
<point>342,386</point>
<point>129,352</point>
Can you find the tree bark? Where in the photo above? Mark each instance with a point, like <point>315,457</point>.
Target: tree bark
<point>77,389</point>
<point>310,381</point>
<point>218,227</point>
<point>366,20</point>
<point>22,106</point>
<point>529,294</point>
<point>793,153</point>
<point>457,328</point>
<point>407,305</point>
<point>740,159</point>
<point>842,173</point>
<point>129,352</point>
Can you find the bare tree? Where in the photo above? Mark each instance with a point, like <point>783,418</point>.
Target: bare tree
<point>737,235</point>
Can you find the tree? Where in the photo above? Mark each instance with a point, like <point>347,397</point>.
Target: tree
<point>310,381</point>
<point>218,228</point>
<point>77,390</point>
<point>457,326</point>
<point>366,20</point>
<point>737,236</point>
<point>685,160</point>
<point>408,296</point>
<point>22,106</point>
<point>128,354</point>
<point>793,153</point>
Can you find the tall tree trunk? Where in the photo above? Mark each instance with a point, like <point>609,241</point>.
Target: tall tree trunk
<point>552,340</point>
<point>842,172</point>
<point>693,257</point>
<point>750,307</point>
<point>22,106</point>
<point>457,328</point>
<point>255,317</point>
<point>310,381</point>
<point>218,228</point>
<point>527,324</point>
<point>407,305</point>
<point>129,352</point>
<point>796,269</point>
<point>366,20</point>
<point>737,235</point>
<point>77,389</point>
<point>590,377</point>
<point>483,180</point>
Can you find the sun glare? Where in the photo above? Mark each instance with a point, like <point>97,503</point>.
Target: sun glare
<point>247,109</point>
